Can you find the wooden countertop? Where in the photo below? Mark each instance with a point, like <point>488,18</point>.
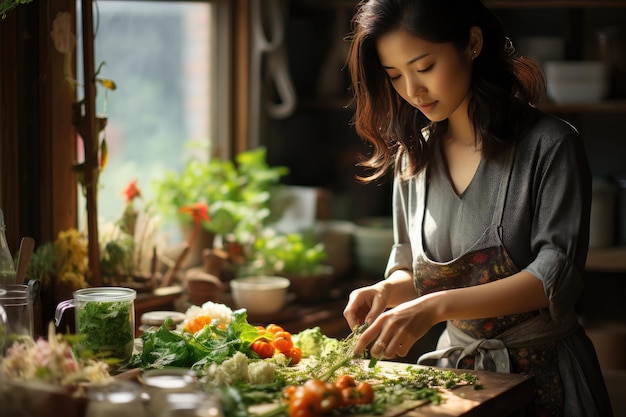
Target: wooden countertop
<point>501,395</point>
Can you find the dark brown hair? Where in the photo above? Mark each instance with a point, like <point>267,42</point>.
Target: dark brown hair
<point>502,85</point>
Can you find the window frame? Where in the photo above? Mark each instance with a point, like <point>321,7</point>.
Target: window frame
<point>38,191</point>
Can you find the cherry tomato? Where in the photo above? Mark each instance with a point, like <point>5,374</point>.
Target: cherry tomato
<point>362,393</point>
<point>263,348</point>
<point>274,328</point>
<point>328,396</point>
<point>289,391</point>
<point>294,355</point>
<point>345,381</point>
<point>282,341</point>
<point>197,323</point>
<point>304,403</point>
<point>261,330</point>
<point>365,392</point>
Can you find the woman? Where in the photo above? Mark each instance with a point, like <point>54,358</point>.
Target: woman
<point>491,201</point>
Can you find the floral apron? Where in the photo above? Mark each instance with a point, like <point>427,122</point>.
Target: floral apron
<point>486,261</point>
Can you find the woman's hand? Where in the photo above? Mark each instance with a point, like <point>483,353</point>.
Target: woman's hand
<point>365,304</point>
<point>396,330</point>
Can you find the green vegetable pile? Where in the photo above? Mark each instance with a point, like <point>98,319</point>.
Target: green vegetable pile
<point>223,353</point>
<point>213,344</point>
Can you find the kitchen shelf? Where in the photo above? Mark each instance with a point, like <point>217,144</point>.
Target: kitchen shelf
<point>608,106</point>
<point>495,4</point>
<point>546,4</point>
<point>612,259</point>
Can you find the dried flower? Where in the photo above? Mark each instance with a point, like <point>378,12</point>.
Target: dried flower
<point>52,361</point>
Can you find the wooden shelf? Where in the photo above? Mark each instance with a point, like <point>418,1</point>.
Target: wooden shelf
<point>609,106</point>
<point>546,4</point>
<point>494,4</point>
<point>327,4</point>
<point>611,259</point>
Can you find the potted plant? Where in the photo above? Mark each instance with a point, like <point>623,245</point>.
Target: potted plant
<point>237,193</point>
<point>296,256</point>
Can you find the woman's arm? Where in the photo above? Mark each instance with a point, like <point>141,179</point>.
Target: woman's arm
<point>516,294</point>
<point>399,328</point>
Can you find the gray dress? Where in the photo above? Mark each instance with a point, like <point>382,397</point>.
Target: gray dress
<point>544,229</point>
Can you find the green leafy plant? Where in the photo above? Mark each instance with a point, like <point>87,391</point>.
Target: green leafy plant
<point>276,253</point>
<point>237,193</point>
<point>8,5</point>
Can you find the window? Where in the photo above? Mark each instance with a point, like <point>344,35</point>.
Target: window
<point>163,58</point>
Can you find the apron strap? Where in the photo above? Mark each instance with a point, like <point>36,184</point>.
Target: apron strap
<point>498,212</point>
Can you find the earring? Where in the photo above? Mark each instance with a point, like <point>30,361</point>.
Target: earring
<point>474,52</point>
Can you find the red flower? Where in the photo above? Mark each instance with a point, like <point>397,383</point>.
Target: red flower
<point>199,212</point>
<point>132,191</point>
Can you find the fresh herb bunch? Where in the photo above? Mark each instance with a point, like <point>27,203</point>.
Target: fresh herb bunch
<point>106,330</point>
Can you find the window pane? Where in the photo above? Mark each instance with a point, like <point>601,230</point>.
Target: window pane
<point>158,54</point>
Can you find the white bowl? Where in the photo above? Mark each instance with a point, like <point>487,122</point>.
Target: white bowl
<point>373,239</point>
<point>576,81</point>
<point>260,294</point>
<point>575,70</point>
<point>577,91</point>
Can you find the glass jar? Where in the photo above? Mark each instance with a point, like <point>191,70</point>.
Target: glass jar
<point>105,320</point>
<point>7,265</point>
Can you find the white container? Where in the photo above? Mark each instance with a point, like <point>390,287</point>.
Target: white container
<point>576,81</point>
<point>260,294</point>
<point>602,224</point>
<point>373,239</point>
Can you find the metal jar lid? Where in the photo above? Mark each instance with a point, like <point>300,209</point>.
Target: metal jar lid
<point>157,318</point>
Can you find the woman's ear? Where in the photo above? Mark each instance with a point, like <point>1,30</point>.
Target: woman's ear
<point>475,44</point>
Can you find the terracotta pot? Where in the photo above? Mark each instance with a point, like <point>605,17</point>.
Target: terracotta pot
<point>312,288</point>
<point>202,287</point>
<point>204,240</point>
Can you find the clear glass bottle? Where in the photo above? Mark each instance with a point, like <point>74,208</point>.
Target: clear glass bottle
<point>7,266</point>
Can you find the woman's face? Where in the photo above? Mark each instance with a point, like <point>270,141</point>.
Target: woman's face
<point>433,77</point>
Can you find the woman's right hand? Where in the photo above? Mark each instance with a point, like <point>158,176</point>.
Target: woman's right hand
<point>365,304</point>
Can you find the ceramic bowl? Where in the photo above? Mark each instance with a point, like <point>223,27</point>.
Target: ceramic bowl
<point>260,294</point>
<point>576,81</point>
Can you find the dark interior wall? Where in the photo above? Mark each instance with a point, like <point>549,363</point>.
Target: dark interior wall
<point>321,148</point>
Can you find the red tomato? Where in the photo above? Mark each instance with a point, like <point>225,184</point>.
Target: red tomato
<point>282,342</point>
<point>366,393</point>
<point>289,391</point>
<point>263,348</point>
<point>328,396</point>
<point>294,355</point>
<point>362,393</point>
<point>274,328</point>
<point>304,403</point>
<point>345,381</point>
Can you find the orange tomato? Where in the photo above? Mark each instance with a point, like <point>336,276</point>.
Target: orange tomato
<point>294,355</point>
<point>274,328</point>
<point>282,341</point>
<point>345,381</point>
<point>197,323</point>
<point>362,393</point>
<point>263,348</point>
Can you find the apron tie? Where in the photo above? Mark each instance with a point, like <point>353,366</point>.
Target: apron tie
<point>490,355</point>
